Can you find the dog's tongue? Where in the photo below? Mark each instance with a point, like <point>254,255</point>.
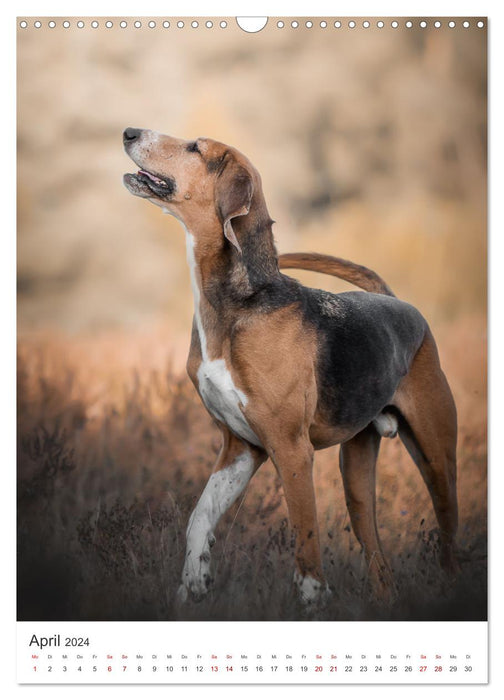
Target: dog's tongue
<point>151,176</point>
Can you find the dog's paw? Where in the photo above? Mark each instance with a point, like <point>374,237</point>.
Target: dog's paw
<point>194,588</point>
<point>182,595</point>
<point>311,591</point>
<point>192,593</point>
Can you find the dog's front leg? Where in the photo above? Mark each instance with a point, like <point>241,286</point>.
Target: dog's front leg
<point>294,463</point>
<point>236,464</point>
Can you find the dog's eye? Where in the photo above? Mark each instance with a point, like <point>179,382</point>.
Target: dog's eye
<point>193,147</point>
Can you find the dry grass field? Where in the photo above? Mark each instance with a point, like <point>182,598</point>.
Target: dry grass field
<point>114,452</point>
<point>371,144</point>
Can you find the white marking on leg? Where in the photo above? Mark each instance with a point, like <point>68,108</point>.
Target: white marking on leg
<point>386,424</point>
<point>221,491</point>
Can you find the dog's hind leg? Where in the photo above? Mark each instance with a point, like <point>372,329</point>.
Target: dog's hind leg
<point>236,464</point>
<point>428,429</point>
<point>358,468</point>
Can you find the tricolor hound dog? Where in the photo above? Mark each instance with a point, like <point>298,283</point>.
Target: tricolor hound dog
<point>285,370</point>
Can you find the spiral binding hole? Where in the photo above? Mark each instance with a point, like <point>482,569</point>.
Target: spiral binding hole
<point>295,24</point>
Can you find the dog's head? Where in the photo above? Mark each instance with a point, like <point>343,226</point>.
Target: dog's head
<point>204,183</point>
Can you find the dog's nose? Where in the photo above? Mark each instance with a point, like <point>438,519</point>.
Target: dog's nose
<point>131,134</point>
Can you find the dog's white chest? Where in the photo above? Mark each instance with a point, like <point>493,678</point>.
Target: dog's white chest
<point>216,386</point>
<point>223,399</point>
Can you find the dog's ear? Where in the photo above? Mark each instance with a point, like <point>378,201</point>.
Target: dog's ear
<point>233,198</point>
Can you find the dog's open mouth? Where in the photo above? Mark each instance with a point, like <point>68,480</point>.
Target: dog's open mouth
<point>146,184</point>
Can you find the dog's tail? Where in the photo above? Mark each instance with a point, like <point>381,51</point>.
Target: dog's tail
<point>361,276</point>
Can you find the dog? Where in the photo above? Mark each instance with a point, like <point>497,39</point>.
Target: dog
<point>285,370</point>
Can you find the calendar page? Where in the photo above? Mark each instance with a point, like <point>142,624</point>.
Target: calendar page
<point>251,375</point>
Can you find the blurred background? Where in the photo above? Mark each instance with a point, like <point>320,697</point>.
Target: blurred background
<point>371,143</point>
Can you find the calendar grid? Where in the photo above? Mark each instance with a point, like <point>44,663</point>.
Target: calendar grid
<point>249,652</point>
